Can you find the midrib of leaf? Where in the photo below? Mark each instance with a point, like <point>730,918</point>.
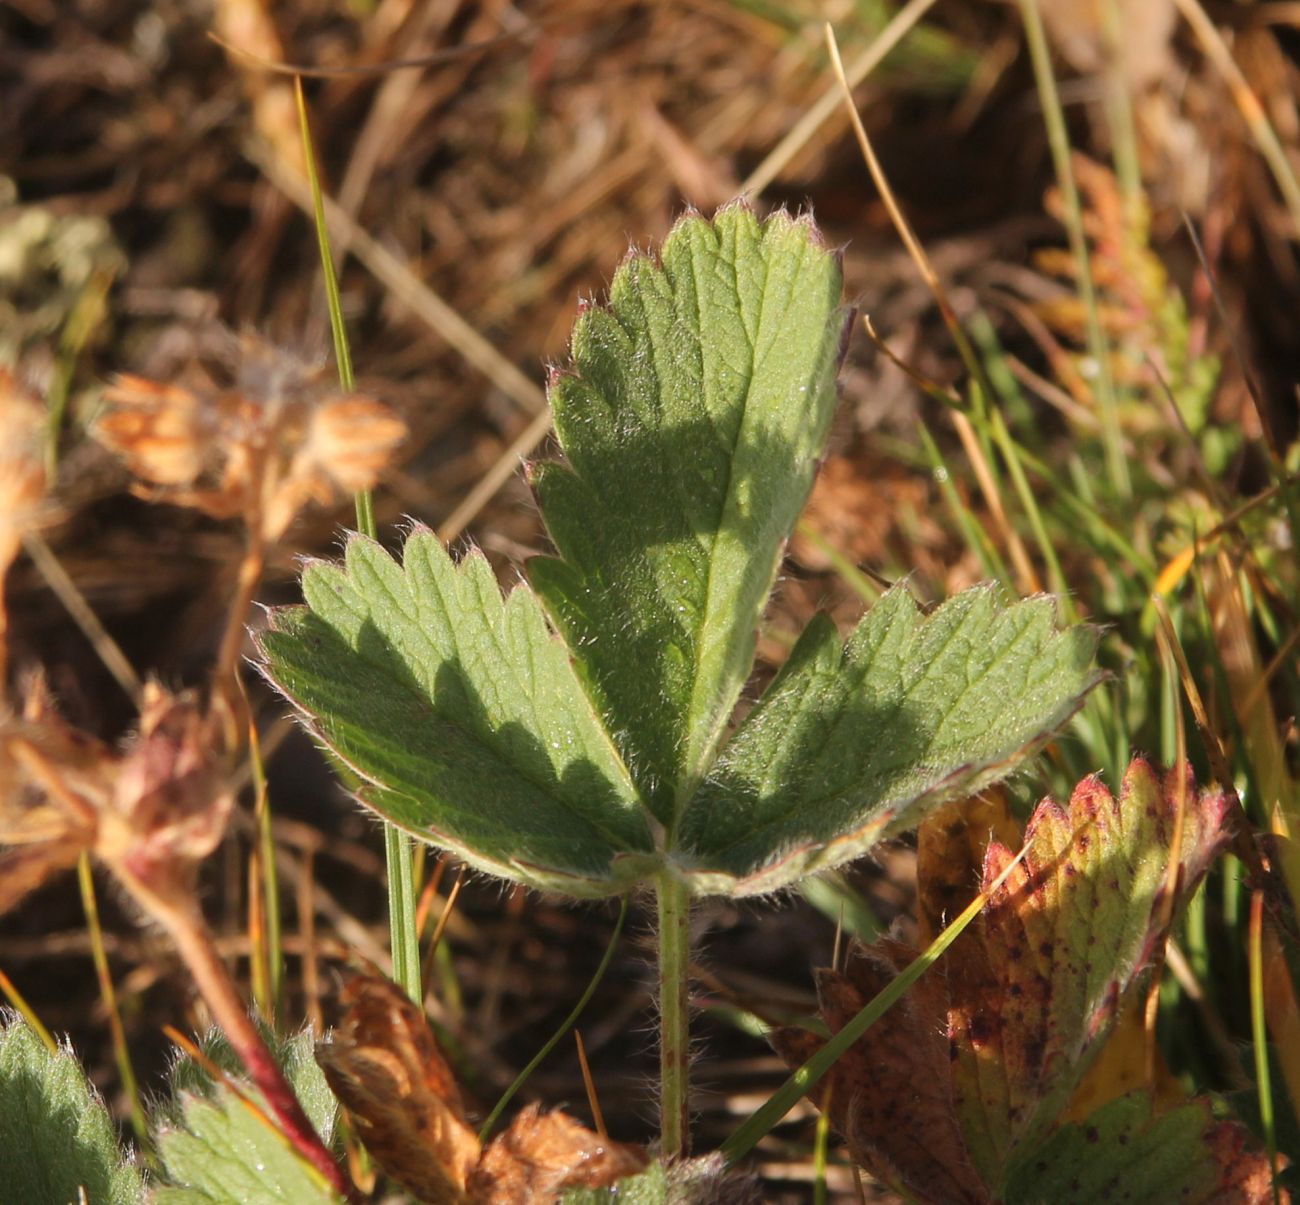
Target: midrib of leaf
<point>713,719</point>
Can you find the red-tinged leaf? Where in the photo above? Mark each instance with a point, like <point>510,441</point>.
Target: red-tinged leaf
<point>988,1047</point>
<point>890,1094</point>
<point>1062,941</point>
<point>542,1154</point>
<point>383,1064</point>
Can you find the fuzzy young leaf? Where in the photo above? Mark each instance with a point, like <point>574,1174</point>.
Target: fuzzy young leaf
<point>217,1149</point>
<point>295,1056</point>
<point>224,1153</point>
<point>852,740</point>
<point>56,1138</point>
<point>462,712</point>
<point>987,1049</point>
<point>692,422</point>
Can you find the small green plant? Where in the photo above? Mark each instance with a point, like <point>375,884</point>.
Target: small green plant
<point>577,736</point>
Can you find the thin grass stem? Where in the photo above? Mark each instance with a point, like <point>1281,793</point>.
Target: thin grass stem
<point>1259,1036</point>
<point>20,1004</point>
<point>272,927</point>
<point>1059,141</point>
<point>65,589</point>
<point>567,1024</point>
<point>823,109</point>
<point>1252,111</point>
<point>403,936</point>
<point>107,992</point>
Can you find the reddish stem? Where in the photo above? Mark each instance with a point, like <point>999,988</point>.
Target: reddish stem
<point>199,953</point>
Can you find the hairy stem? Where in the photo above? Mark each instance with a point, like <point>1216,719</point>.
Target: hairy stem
<point>674,1016</point>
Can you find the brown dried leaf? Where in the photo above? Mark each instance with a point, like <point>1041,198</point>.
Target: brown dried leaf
<point>542,1154</point>
<point>385,1067</point>
<point>950,848</point>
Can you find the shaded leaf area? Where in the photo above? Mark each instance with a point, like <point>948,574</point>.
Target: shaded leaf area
<point>218,1146</point>
<point>56,1137</point>
<point>692,421</point>
<point>973,1070</point>
<point>402,1098</point>
<point>461,711</point>
<point>853,739</point>
<point>1126,1153</point>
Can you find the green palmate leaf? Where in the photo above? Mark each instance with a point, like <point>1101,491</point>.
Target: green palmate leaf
<point>692,422</point>
<point>463,714</point>
<point>1124,1152</point>
<point>851,740</point>
<point>57,1140</point>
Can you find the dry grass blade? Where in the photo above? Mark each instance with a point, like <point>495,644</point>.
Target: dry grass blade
<point>824,108</point>
<point>1029,582</point>
<point>406,288</point>
<point>1252,111</point>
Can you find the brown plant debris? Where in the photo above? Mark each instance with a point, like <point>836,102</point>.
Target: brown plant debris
<point>262,450</point>
<point>384,1065</point>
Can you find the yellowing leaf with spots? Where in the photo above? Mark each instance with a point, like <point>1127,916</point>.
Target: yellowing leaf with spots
<point>987,1049</point>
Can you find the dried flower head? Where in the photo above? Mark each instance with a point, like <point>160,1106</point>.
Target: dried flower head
<point>263,448</point>
<point>149,813</point>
